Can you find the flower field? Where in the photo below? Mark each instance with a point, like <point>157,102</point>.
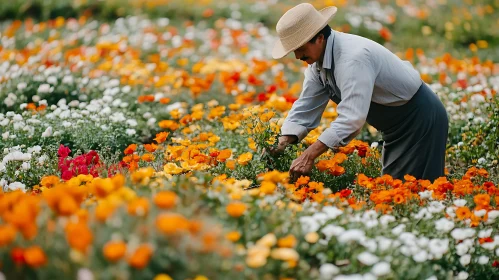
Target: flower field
<point>133,143</point>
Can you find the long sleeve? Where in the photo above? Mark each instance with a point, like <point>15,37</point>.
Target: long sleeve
<point>355,79</point>
<point>306,113</point>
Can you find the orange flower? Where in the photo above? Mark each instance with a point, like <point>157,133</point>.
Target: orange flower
<point>130,149</point>
<point>147,157</point>
<point>268,187</point>
<point>141,257</point>
<point>399,199</point>
<point>224,155</point>
<point>138,207</point>
<point>236,209</point>
<point>303,180</point>
<point>231,164</point>
<point>244,158</point>
<point>287,242</point>
<point>113,251</point>
<point>168,124</point>
<point>164,100</point>
<point>171,223</point>
<point>151,148</point>
<point>49,181</point>
<point>7,234</point>
<point>482,200</point>
<point>409,178</point>
<point>35,257</point>
<point>463,213</point>
<point>165,199</point>
<point>161,137</point>
<point>145,98</point>
<point>103,211</point>
<point>233,236</point>
<point>79,236</point>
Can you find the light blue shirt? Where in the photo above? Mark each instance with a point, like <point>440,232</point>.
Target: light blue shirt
<point>357,71</point>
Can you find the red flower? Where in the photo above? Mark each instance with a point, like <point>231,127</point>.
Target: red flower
<point>66,175</point>
<point>345,192</point>
<point>271,88</point>
<point>17,255</point>
<point>63,151</point>
<point>262,97</point>
<point>496,263</point>
<point>289,98</point>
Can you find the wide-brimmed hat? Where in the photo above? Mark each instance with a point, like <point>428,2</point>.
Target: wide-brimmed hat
<point>298,26</point>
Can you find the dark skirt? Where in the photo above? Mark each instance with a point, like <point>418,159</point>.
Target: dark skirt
<point>414,134</point>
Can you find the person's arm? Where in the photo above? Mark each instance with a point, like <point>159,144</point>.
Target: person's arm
<point>355,80</point>
<point>306,112</point>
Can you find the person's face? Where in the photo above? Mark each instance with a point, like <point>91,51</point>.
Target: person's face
<point>311,52</point>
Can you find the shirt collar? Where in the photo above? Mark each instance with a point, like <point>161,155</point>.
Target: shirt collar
<point>328,55</point>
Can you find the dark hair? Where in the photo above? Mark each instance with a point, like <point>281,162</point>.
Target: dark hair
<point>326,31</point>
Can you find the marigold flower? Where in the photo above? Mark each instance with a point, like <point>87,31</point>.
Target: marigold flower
<point>288,241</point>
<point>138,207</point>
<point>162,276</point>
<point>7,234</point>
<point>130,149</point>
<point>312,237</point>
<point>482,200</point>
<point>165,199</point>
<point>268,187</point>
<point>49,181</point>
<point>79,236</point>
<point>168,124</point>
<point>303,180</point>
<point>113,251</point>
<point>233,236</point>
<point>171,223</point>
<point>231,164</point>
<point>284,254</point>
<point>463,213</point>
<point>147,157</point>
<point>224,155</point>
<point>398,199</point>
<point>151,148</point>
<point>244,158</point>
<point>236,209</point>
<point>161,137</point>
<point>141,257</point>
<point>17,255</point>
<point>35,257</point>
<point>103,211</point>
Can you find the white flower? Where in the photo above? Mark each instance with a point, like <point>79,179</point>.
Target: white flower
<point>420,257</point>
<point>309,224</point>
<point>459,202</point>
<point>5,135</point>
<point>463,275</point>
<point>332,212</point>
<point>461,234</point>
<point>432,278</point>
<point>485,233</point>
<point>328,270</point>
<point>2,167</point>
<point>332,230</point>
<point>85,274</point>
<point>320,217</point>
<point>352,234</point>
<point>497,252</point>
<point>444,225</point>
<point>349,277</point>
<point>465,260</point>
<point>17,186</point>
<point>438,246</point>
<point>45,88</point>
<point>480,213</point>
<point>483,260</point>
<point>426,194</point>
<point>130,131</point>
<point>42,159</point>
<point>386,219</point>
<point>21,86</point>
<point>25,166</point>
<point>367,258</point>
<point>374,145</point>
<point>398,229</point>
<point>381,269</point>
<point>47,132</point>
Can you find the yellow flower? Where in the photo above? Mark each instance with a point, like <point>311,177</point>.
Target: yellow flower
<point>284,254</point>
<point>233,236</point>
<point>172,168</point>
<point>312,237</point>
<point>201,277</point>
<point>268,187</point>
<point>267,240</point>
<point>244,158</point>
<point>162,276</point>
<point>236,209</point>
<point>287,242</point>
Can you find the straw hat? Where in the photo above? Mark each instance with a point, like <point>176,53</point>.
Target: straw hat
<point>298,26</point>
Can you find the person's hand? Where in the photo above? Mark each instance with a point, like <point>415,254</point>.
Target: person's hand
<point>284,141</point>
<point>302,166</point>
